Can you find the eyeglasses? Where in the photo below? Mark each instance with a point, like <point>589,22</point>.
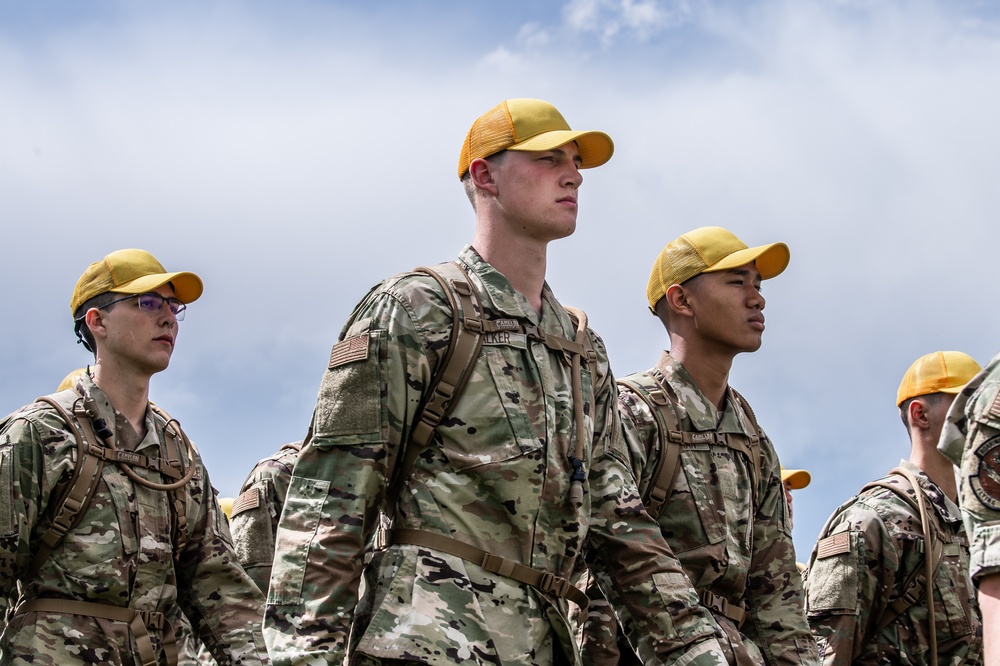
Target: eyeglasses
<point>152,302</point>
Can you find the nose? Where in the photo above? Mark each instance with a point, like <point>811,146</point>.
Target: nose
<point>573,177</point>
<point>756,299</point>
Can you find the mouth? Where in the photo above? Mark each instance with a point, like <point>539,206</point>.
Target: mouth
<point>166,339</point>
<point>756,323</point>
<point>570,201</point>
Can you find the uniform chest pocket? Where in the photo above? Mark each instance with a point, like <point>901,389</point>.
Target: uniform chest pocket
<point>485,430</point>
<point>126,510</point>
<point>697,503</point>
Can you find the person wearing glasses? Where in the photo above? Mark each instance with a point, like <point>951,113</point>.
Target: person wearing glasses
<point>108,521</point>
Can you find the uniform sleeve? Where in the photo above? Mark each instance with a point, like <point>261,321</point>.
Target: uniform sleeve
<point>22,485</point>
<point>218,597</point>
<point>851,573</point>
<point>339,483</point>
<point>255,518</point>
<point>635,567</point>
<point>776,619</point>
<point>980,481</point>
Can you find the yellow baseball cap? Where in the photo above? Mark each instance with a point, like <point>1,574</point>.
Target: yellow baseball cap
<point>797,479</point>
<point>709,249</point>
<point>132,272</point>
<point>530,125</point>
<point>939,372</point>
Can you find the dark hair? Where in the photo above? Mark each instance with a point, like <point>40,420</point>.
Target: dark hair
<point>83,334</point>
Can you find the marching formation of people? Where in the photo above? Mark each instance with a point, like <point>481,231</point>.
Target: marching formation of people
<point>476,486</point>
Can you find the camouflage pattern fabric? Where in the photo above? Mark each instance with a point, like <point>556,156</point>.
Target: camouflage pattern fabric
<point>120,554</point>
<point>256,511</point>
<point>971,440</point>
<point>866,558</point>
<point>497,475</point>
<point>730,538</point>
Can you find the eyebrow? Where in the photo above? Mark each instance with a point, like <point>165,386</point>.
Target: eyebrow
<point>742,272</point>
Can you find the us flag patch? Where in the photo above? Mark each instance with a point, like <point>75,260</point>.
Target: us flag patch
<point>347,351</point>
<point>833,545</point>
<point>248,500</point>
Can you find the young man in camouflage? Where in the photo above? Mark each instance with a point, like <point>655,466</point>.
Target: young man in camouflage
<point>151,544</point>
<point>255,512</point>
<point>866,594</point>
<point>526,469</point>
<point>704,467</point>
<point>971,439</point>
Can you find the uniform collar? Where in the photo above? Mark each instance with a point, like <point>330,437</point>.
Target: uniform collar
<point>692,403</point>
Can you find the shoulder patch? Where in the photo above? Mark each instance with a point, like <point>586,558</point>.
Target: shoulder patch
<point>835,544</point>
<point>354,348</point>
<point>995,407</point>
<point>246,501</point>
<point>985,482</point>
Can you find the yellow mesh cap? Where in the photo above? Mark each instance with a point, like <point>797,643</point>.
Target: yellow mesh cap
<point>939,372</point>
<point>132,272</point>
<point>709,249</point>
<point>530,125</point>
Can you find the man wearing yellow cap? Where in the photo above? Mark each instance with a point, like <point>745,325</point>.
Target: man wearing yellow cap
<point>971,439</point>
<point>706,470</point>
<point>110,526</point>
<point>866,594</point>
<point>793,479</point>
<point>492,484</point>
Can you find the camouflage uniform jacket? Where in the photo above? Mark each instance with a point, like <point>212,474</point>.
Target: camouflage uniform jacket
<point>257,509</point>
<point>971,440</point>
<point>121,552</point>
<point>853,578</point>
<point>496,475</point>
<point>731,539</point>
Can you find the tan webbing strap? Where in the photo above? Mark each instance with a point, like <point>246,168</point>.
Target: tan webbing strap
<point>540,580</point>
<point>178,496</point>
<point>920,583</point>
<point>453,374</point>
<point>579,349</point>
<point>75,498</point>
<point>669,438</point>
<point>723,606</point>
<point>138,621</point>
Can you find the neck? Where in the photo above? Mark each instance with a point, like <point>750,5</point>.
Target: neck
<point>938,469</point>
<point>710,372</point>
<point>127,392</point>
<point>522,263</point>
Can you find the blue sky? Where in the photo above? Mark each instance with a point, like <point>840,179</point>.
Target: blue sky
<point>295,154</point>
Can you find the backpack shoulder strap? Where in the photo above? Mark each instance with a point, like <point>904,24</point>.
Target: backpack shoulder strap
<point>173,435</point>
<point>756,451</point>
<point>669,439</point>
<point>921,582</point>
<point>452,374</point>
<point>73,500</point>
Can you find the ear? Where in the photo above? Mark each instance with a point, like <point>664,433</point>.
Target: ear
<point>483,176</point>
<point>95,322</point>
<point>678,301</point>
<point>918,414</point>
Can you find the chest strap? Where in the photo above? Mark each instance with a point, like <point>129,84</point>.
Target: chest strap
<point>723,606</point>
<point>137,620</point>
<point>540,580</point>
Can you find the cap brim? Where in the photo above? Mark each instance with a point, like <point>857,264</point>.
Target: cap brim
<point>797,478</point>
<point>596,148</point>
<point>771,260</point>
<point>187,286</point>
